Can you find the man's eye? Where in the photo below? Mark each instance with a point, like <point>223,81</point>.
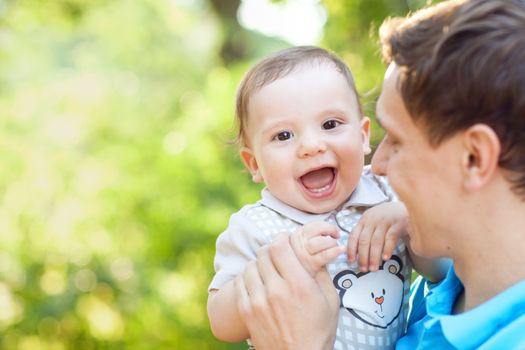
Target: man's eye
<point>390,141</point>
<point>283,136</point>
<point>330,124</point>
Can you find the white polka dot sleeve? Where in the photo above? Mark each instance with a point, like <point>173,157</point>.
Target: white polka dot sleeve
<point>235,247</point>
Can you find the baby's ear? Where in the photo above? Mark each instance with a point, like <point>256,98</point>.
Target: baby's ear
<point>365,131</point>
<point>250,162</point>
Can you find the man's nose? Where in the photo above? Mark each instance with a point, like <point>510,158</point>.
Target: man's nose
<point>380,158</point>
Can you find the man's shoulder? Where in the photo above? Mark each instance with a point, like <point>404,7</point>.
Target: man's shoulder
<point>496,324</point>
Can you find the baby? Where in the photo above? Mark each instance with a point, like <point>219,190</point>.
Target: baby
<point>302,132</point>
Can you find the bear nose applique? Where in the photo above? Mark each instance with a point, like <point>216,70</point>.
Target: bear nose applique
<point>380,300</point>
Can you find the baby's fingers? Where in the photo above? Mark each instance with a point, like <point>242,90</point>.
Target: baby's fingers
<point>319,243</point>
<point>324,257</point>
<point>376,248</point>
<point>363,247</point>
<point>353,241</point>
<point>319,228</point>
<point>391,239</point>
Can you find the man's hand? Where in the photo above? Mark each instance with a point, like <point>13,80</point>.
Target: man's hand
<point>282,305</point>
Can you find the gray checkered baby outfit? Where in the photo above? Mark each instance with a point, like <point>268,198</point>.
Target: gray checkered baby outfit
<point>374,305</point>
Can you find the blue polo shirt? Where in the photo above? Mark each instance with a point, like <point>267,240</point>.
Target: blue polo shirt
<point>499,323</point>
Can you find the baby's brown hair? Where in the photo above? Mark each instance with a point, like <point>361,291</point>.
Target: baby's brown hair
<point>277,66</point>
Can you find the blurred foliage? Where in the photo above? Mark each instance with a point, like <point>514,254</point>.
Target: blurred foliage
<point>116,176</point>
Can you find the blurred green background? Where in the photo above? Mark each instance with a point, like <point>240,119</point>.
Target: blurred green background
<point>116,174</point>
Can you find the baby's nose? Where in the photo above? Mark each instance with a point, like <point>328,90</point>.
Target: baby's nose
<point>312,145</point>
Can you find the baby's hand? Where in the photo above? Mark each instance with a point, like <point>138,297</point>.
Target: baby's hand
<point>315,244</point>
<point>375,236</point>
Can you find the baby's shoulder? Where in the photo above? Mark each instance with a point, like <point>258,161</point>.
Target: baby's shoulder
<point>265,219</point>
<point>254,211</point>
<point>381,182</point>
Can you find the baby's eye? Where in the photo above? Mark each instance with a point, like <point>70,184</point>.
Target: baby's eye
<point>283,136</point>
<point>330,124</point>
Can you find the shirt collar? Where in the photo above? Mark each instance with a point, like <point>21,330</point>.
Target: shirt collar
<point>367,194</point>
<point>471,328</point>
<point>442,297</point>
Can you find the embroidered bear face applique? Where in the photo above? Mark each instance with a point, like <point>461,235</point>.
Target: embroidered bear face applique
<point>376,297</point>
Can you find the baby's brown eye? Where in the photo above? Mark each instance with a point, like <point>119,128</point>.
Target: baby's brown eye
<point>283,135</point>
<point>330,124</point>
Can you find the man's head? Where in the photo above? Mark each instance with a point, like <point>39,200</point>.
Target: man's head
<point>462,63</point>
<point>453,106</point>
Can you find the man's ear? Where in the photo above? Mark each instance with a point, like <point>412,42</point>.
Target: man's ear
<point>482,149</point>
<point>365,132</point>
<point>250,162</point>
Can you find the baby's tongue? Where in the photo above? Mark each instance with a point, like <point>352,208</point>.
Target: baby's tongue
<point>318,178</point>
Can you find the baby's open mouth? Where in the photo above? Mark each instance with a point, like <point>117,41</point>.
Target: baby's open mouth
<point>320,180</point>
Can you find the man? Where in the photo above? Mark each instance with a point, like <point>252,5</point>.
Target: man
<point>453,108</point>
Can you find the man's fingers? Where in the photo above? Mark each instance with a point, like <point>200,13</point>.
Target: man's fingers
<point>265,269</point>
<point>243,300</point>
<point>325,283</point>
<point>283,258</point>
<point>250,293</point>
<point>301,249</point>
<point>253,282</point>
<point>255,311</point>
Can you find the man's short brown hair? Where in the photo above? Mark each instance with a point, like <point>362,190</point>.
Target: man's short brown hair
<point>277,66</point>
<point>462,62</point>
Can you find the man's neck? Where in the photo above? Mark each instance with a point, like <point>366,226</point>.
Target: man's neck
<point>489,252</point>
<point>490,273</point>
